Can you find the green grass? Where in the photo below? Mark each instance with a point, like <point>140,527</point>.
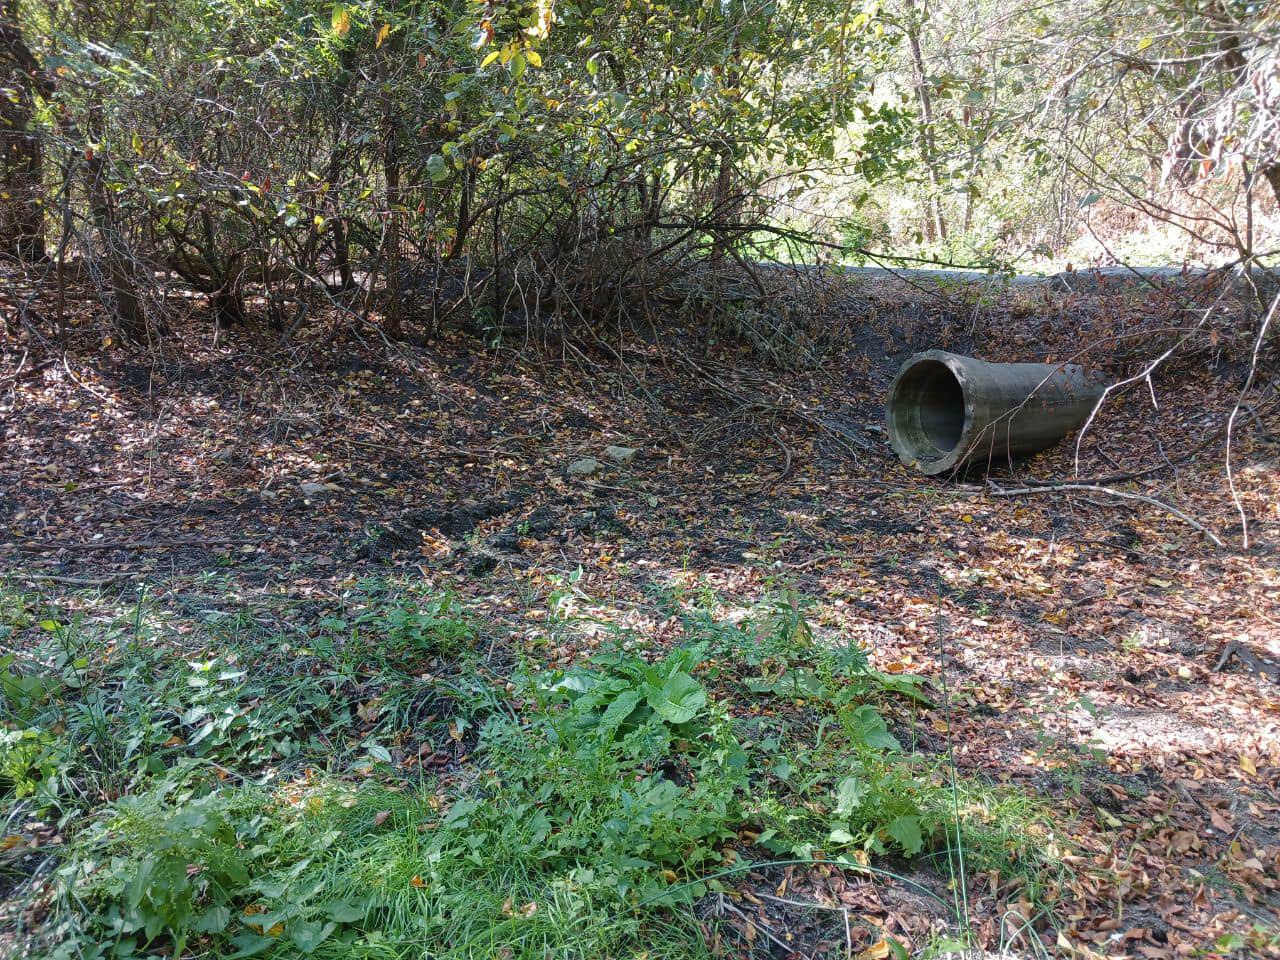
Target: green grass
<point>249,781</point>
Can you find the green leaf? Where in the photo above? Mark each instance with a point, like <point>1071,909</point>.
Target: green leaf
<point>678,700</point>
<point>618,711</point>
<point>212,920</point>
<point>308,934</point>
<point>342,912</point>
<point>849,795</point>
<point>437,168</point>
<point>881,740</point>
<point>866,724</point>
<point>250,945</point>
<point>459,814</point>
<point>906,830</point>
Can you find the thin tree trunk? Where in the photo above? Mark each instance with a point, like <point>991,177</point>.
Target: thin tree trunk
<point>341,252</point>
<point>337,218</point>
<point>391,173</point>
<point>724,208</point>
<point>130,317</point>
<point>935,224</point>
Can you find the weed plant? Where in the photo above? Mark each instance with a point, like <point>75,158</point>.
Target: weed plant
<point>252,783</point>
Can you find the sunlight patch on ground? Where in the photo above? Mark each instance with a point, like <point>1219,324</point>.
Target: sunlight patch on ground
<point>1128,731</point>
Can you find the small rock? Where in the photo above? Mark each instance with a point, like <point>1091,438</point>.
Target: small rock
<point>584,467</point>
<point>316,489</point>
<point>620,454</point>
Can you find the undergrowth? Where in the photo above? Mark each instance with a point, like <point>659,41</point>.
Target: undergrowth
<point>371,780</point>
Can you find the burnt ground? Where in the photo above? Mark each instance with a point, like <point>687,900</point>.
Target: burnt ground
<point>1083,637</point>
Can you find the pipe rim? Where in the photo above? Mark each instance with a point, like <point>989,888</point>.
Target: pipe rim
<point>935,441</point>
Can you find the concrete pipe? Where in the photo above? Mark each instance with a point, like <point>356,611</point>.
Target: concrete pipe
<point>946,412</point>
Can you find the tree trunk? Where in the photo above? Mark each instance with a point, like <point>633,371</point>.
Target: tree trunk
<point>1272,173</point>
<point>391,173</point>
<point>935,224</point>
<point>21,150</point>
<point>725,206</point>
<point>130,317</point>
<point>337,217</point>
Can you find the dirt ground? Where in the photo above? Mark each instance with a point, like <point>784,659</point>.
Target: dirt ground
<point>1099,652</point>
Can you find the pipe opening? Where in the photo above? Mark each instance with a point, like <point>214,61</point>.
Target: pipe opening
<point>928,409</point>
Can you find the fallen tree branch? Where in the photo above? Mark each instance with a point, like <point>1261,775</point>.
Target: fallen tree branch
<point>71,581</point>
<point>1121,494</point>
<point>1251,660</point>
<point>134,544</point>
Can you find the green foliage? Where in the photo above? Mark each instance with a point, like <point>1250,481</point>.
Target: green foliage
<point>29,759</point>
<point>100,710</point>
<point>621,140</point>
<point>598,799</point>
<point>623,767</point>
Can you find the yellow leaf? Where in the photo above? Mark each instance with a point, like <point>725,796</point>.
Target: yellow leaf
<point>877,951</point>
<point>252,910</point>
<point>534,58</point>
<point>1247,765</point>
<point>418,882</point>
<point>382,35</point>
<point>340,20</point>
